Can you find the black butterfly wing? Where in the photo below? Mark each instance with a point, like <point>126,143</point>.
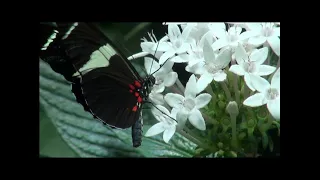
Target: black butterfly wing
<point>108,96</point>
<point>100,73</point>
<point>87,41</point>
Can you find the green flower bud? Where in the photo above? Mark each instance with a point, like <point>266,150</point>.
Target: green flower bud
<point>220,145</point>
<point>220,152</point>
<point>250,123</point>
<point>221,97</point>
<point>232,108</point>
<point>242,135</point>
<point>226,121</point>
<point>221,104</point>
<point>233,154</point>
<point>263,114</point>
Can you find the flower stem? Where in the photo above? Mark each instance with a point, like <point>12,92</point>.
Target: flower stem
<point>246,92</point>
<point>135,30</point>
<point>186,129</point>
<point>236,88</point>
<point>175,89</point>
<point>252,113</point>
<point>234,129</point>
<point>214,96</point>
<point>227,67</point>
<point>270,120</point>
<point>267,62</point>
<point>208,119</point>
<point>179,84</point>
<point>196,141</point>
<point>278,63</point>
<point>226,90</point>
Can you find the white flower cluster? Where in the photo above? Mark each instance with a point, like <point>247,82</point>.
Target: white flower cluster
<point>210,50</point>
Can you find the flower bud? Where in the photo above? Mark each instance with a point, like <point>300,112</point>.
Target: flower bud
<point>221,152</point>
<point>221,97</point>
<point>220,145</point>
<point>242,135</point>
<point>250,123</point>
<point>232,154</point>
<point>226,121</point>
<point>221,104</point>
<point>262,114</point>
<point>232,108</point>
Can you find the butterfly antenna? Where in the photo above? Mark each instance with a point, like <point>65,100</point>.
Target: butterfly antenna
<point>160,66</point>
<point>161,111</point>
<point>154,56</point>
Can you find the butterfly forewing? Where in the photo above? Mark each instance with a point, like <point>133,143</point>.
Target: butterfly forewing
<point>88,48</point>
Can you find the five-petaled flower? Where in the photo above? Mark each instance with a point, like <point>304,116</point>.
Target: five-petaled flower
<point>232,38</point>
<point>252,64</point>
<point>163,75</point>
<point>166,123</point>
<point>211,68</point>
<point>266,32</point>
<point>268,94</point>
<point>188,105</point>
<point>176,49</point>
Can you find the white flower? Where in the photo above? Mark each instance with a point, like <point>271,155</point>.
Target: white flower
<point>176,49</point>
<point>164,76</point>
<point>165,125</point>
<point>232,37</point>
<point>155,95</point>
<point>267,32</point>
<point>189,105</point>
<point>242,24</point>
<point>175,23</point>
<point>200,29</point>
<point>268,94</point>
<point>218,29</point>
<point>211,67</point>
<point>251,64</point>
<point>196,51</point>
<point>248,48</point>
<point>149,47</point>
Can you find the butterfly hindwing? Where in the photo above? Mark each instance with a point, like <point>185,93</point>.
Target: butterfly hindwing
<point>106,91</point>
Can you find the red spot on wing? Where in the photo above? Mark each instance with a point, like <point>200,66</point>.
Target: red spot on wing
<point>131,91</point>
<point>136,94</point>
<point>139,99</point>
<point>134,109</point>
<point>137,84</point>
<point>131,86</point>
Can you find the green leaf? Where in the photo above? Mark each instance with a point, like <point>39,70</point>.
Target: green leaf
<point>90,138</point>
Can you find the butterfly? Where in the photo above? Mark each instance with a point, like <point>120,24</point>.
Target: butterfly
<point>103,80</point>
